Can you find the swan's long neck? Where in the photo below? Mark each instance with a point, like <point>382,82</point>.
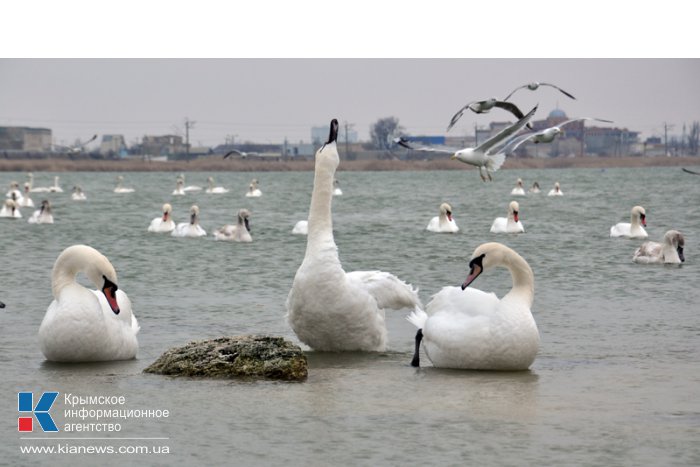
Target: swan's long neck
<point>634,220</point>
<point>320,219</point>
<point>76,259</point>
<point>523,278</point>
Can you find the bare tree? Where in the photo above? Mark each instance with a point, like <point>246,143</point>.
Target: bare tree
<point>383,131</point>
<point>694,138</point>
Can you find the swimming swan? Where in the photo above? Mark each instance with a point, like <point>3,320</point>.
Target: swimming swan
<point>84,325</point>
<point>214,189</point>
<point>78,194</point>
<point>444,222</point>
<point>327,308</point>
<point>253,190</point>
<point>165,223</point>
<point>42,215</point>
<point>466,328</point>
<point>236,233</point>
<point>635,227</point>
<point>10,209</point>
<point>668,252</point>
<point>511,224</point>
<point>191,228</point>
<point>518,189</point>
<point>556,191</point>
<point>119,188</point>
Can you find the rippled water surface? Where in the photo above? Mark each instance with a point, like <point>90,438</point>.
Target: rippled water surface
<point>615,383</point>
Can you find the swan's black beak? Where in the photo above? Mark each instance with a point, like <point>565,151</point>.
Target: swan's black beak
<point>110,290</point>
<point>247,224</point>
<point>2,305</point>
<point>680,254</point>
<point>475,268</point>
<point>333,135</point>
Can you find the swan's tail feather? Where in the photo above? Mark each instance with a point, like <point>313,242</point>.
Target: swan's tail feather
<point>496,161</point>
<point>418,317</point>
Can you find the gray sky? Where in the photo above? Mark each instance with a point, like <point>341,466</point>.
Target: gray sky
<point>269,99</point>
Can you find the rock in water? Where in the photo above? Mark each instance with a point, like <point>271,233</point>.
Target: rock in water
<point>234,357</point>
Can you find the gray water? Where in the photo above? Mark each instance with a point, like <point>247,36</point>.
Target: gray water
<point>615,383</point>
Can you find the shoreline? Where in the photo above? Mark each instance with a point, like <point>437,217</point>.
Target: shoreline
<point>217,164</point>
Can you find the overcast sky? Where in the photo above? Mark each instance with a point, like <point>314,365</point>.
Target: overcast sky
<point>269,99</point>
<point>266,100</point>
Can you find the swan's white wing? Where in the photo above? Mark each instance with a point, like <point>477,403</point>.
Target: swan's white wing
<point>506,132</point>
<point>649,252</point>
<point>388,290</point>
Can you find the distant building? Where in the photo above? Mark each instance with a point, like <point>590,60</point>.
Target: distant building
<point>168,145</point>
<point>113,146</point>
<point>25,139</point>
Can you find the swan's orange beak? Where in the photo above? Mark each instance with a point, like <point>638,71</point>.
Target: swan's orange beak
<point>515,216</point>
<point>449,216</point>
<point>110,290</point>
<point>643,217</point>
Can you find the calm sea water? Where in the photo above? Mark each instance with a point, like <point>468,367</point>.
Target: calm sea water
<point>615,383</point>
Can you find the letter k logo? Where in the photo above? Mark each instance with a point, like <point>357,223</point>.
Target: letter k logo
<point>25,403</point>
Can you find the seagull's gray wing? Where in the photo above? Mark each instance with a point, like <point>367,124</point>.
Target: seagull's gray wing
<point>516,141</point>
<point>237,152</point>
<point>458,115</point>
<point>513,92</point>
<point>403,142</point>
<point>506,132</point>
<point>560,89</point>
<point>583,118</point>
<point>510,107</point>
<point>94,137</point>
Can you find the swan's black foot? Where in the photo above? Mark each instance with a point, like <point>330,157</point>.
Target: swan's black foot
<point>416,355</point>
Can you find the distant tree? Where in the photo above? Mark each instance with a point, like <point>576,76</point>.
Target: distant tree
<point>383,131</point>
<point>694,138</point>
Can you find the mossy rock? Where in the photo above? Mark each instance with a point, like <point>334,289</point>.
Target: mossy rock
<point>261,357</point>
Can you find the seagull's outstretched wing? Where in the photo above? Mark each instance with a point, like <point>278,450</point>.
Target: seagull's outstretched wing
<point>536,85</point>
<point>510,107</point>
<point>239,153</point>
<point>458,115</point>
<point>78,146</point>
<point>583,118</point>
<point>516,141</point>
<point>506,132</point>
<point>403,142</point>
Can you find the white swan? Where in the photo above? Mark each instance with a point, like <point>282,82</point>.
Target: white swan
<point>191,228</point>
<point>119,188</point>
<point>214,189</point>
<point>188,188</point>
<point>510,224</point>
<point>329,309</point>
<point>78,194</point>
<point>556,191</point>
<point>10,210</point>
<point>518,189</point>
<point>236,233</point>
<point>301,228</point>
<point>163,223</point>
<point>443,223</point>
<point>535,188</point>
<point>336,188</point>
<point>26,201</point>
<point>668,252</point>
<point>466,328</point>
<point>84,325</point>
<point>635,227</point>
<point>253,190</point>
<point>179,187</point>
<point>42,215</point>
<point>55,188</point>
<point>15,193</point>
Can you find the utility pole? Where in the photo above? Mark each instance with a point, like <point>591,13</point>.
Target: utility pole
<point>347,149</point>
<point>188,124</point>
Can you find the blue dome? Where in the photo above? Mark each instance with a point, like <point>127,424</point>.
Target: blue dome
<point>557,113</point>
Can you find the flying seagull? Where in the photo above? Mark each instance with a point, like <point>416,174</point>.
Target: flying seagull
<point>239,153</point>
<point>544,136</point>
<point>482,156</point>
<point>76,147</point>
<point>482,107</point>
<point>533,87</point>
